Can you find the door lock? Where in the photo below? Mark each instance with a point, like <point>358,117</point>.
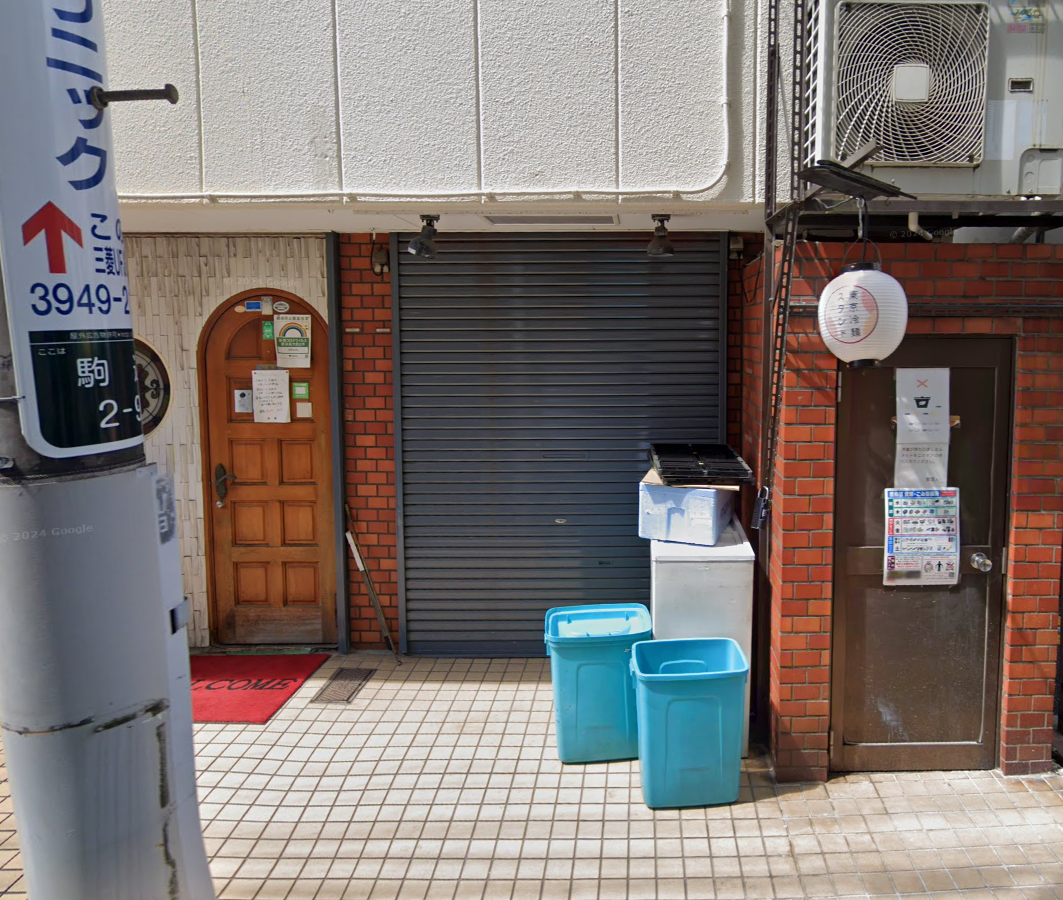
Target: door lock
<point>981,562</point>
<point>220,487</point>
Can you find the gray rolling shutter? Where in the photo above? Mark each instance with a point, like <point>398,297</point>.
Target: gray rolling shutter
<point>533,373</point>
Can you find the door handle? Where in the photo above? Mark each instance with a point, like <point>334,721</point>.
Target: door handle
<point>981,562</point>
<point>220,487</point>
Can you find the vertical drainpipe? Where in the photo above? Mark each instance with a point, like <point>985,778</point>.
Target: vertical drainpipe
<point>762,622</point>
<point>339,474</point>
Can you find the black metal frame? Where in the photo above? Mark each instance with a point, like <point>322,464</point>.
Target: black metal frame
<point>339,475</point>
<point>396,385</point>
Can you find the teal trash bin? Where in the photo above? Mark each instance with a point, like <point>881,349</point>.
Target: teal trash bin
<point>691,699</point>
<point>594,698</point>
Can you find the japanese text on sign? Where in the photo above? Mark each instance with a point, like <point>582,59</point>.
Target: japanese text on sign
<point>269,395</point>
<point>922,542</point>
<point>851,314</point>
<point>64,264</point>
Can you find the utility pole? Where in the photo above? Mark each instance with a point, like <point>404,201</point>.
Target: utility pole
<point>95,709</point>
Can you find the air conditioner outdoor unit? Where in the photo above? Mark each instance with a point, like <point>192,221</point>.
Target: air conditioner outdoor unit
<point>964,98</point>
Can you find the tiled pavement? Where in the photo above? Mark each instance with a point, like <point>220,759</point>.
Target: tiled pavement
<point>440,780</point>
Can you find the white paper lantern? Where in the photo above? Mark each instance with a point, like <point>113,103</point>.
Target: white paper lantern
<point>863,314</point>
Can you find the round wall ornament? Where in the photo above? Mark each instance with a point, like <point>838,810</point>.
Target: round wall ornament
<point>154,382</point>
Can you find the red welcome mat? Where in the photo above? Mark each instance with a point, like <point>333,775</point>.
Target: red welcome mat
<point>247,689</point>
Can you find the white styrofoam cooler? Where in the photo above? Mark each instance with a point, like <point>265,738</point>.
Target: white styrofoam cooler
<point>690,515</point>
<point>699,592</point>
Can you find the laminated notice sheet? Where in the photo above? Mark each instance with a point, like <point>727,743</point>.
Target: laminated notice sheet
<point>922,543</point>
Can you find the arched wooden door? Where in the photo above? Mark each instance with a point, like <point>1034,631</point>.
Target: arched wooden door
<point>270,539</point>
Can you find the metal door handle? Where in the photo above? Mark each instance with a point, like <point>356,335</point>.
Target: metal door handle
<point>220,487</point>
<point>981,562</point>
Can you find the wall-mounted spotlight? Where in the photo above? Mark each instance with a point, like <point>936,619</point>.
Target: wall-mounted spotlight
<point>380,258</point>
<point>660,247</point>
<point>424,245</point>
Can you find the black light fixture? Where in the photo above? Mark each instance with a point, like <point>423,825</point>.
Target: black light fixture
<point>424,245</point>
<point>660,247</point>
<point>379,258</point>
<point>835,177</point>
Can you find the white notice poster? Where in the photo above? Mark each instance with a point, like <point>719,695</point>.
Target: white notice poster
<point>922,542</point>
<point>921,466</point>
<point>922,459</point>
<point>269,393</point>
<point>291,335</point>
<point>922,406</point>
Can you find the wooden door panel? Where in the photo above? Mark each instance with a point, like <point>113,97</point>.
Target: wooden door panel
<point>249,522</point>
<point>915,671</point>
<point>300,583</point>
<point>245,341</point>
<point>298,522</point>
<point>260,626</point>
<point>248,461</point>
<point>273,568</point>
<point>251,580</point>
<point>297,462</point>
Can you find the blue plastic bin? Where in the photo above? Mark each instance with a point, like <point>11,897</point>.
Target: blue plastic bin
<point>691,699</point>
<point>594,698</point>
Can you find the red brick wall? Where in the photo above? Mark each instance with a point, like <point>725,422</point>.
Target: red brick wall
<point>369,429</point>
<point>801,570</point>
<point>1032,628</point>
<point>801,564</point>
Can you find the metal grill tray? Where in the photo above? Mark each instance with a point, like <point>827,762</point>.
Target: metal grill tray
<point>699,464</point>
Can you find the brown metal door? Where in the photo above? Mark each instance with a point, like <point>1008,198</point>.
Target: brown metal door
<point>916,670</point>
<point>273,572</point>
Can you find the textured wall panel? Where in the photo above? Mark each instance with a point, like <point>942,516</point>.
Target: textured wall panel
<point>671,81</point>
<point>408,95</point>
<point>269,95</point>
<point>369,97</point>
<point>176,283</point>
<point>549,94</point>
<point>150,44</point>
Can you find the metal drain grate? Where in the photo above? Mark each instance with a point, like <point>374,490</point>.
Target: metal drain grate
<point>343,686</point>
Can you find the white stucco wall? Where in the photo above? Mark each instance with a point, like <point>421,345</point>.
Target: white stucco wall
<point>175,283</point>
<point>350,99</point>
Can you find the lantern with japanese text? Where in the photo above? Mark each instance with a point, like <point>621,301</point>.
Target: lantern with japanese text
<point>863,314</point>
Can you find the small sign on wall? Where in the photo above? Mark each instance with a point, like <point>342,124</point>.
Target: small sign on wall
<point>270,395</point>
<point>293,341</point>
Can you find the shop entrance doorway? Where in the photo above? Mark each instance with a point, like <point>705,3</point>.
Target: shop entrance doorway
<point>267,484</point>
<point>915,670</point>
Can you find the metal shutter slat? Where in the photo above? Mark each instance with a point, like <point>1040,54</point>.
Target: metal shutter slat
<point>533,372</point>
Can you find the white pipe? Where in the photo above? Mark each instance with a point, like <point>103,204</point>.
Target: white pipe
<point>486,195</point>
<point>916,228</point>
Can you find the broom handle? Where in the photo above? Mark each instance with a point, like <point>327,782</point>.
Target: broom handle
<point>368,579</point>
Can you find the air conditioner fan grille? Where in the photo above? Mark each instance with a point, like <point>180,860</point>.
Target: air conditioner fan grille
<point>951,41</point>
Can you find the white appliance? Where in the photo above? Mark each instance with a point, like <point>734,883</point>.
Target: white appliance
<point>698,591</point>
<point>962,96</point>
